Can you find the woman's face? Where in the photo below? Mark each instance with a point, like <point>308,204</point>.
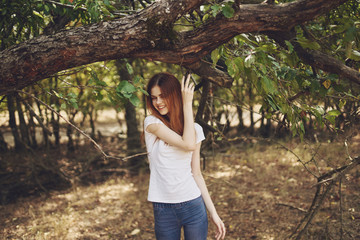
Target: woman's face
<point>158,101</point>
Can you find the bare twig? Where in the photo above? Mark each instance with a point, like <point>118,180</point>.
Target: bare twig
<point>341,171</point>
<point>328,179</point>
<point>33,114</point>
<point>314,211</point>
<point>2,99</point>
<point>80,131</point>
<point>341,211</point>
<point>292,207</point>
<point>135,155</point>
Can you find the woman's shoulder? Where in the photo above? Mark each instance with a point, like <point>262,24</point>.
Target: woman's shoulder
<point>151,119</point>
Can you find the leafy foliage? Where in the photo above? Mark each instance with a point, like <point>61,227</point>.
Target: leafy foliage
<point>265,73</point>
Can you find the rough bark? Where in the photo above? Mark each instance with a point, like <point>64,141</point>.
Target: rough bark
<point>133,134</point>
<point>148,34</point>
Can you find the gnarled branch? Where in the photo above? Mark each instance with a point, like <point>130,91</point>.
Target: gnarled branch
<point>147,34</point>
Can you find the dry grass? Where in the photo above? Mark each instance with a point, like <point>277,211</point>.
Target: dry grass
<point>260,191</point>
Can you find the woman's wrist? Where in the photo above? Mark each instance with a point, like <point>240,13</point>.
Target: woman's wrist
<point>213,213</point>
<point>187,107</point>
<point>187,104</point>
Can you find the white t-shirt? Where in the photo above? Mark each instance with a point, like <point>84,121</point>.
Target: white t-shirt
<point>171,179</point>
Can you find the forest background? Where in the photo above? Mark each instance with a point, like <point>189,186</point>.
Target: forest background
<point>278,99</point>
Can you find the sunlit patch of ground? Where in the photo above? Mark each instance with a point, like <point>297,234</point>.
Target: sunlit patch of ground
<point>101,211</point>
<point>260,190</point>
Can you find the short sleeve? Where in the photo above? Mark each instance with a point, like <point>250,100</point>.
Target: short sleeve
<point>199,133</point>
<point>150,120</point>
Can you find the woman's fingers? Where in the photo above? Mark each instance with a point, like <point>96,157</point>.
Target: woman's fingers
<point>182,83</point>
<point>186,83</point>
<point>221,230</point>
<point>187,89</point>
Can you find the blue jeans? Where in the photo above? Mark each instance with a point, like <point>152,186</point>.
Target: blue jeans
<point>171,217</point>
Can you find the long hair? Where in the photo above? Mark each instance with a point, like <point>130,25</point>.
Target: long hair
<point>171,92</point>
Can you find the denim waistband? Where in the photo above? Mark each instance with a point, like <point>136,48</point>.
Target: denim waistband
<point>174,205</point>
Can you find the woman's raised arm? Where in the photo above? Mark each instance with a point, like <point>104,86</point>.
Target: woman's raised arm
<point>187,140</point>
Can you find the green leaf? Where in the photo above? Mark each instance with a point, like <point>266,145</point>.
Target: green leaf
<point>333,113</point>
<point>228,11</point>
<point>215,56</point>
<point>350,34</point>
<point>231,67</point>
<point>137,79</point>
<point>134,100</point>
<point>302,127</point>
<point>144,91</point>
<point>289,45</point>
<point>215,9</point>
<point>129,68</point>
<point>125,87</point>
<point>37,14</point>
<point>306,43</point>
<point>96,79</point>
<point>268,85</point>
<point>72,95</point>
<point>272,103</point>
<point>74,104</point>
<point>342,103</point>
<point>63,106</point>
<point>331,119</point>
<point>99,95</point>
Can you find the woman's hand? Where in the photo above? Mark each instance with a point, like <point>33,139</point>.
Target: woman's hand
<point>221,230</point>
<point>187,89</point>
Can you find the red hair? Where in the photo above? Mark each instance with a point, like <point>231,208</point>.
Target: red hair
<point>171,92</point>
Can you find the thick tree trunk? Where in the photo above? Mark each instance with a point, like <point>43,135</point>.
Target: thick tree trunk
<point>149,34</point>
<point>46,142</point>
<point>23,126</point>
<point>3,144</point>
<point>240,126</point>
<point>32,128</point>
<point>55,120</point>
<point>12,123</point>
<point>92,122</point>
<point>132,132</point>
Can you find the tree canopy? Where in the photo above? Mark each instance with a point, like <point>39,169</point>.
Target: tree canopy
<point>284,49</point>
<point>150,33</point>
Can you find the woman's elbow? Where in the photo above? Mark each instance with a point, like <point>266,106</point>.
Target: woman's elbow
<point>190,147</point>
<point>197,175</point>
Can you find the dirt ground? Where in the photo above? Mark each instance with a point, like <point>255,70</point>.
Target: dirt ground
<point>260,189</point>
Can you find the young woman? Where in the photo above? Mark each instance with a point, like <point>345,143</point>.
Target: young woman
<point>177,188</point>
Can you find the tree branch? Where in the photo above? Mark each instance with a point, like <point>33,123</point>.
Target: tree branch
<point>147,34</point>
<point>207,71</point>
<point>316,58</point>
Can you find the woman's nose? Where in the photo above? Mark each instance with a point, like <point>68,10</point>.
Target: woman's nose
<point>159,100</point>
